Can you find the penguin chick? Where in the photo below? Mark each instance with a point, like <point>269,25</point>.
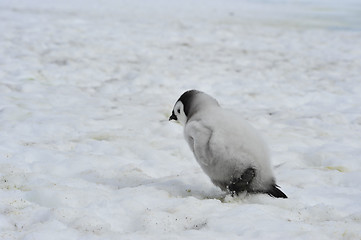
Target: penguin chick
<point>229,150</point>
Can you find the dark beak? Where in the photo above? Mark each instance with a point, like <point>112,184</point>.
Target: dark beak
<point>173,117</point>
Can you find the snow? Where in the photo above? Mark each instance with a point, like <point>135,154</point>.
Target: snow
<point>86,88</point>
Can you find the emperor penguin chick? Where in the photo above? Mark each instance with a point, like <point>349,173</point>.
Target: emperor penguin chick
<point>229,150</point>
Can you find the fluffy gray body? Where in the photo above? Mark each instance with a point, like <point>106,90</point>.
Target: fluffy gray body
<point>228,149</point>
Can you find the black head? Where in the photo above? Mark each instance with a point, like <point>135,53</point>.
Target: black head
<point>182,109</point>
<point>187,99</point>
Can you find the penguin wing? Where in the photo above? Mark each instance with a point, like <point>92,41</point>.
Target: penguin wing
<point>198,137</point>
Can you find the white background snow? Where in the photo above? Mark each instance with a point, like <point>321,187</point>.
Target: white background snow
<point>86,89</point>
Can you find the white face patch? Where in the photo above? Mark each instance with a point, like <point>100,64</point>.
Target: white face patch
<point>179,112</point>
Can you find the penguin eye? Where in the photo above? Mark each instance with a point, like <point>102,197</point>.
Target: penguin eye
<point>178,110</point>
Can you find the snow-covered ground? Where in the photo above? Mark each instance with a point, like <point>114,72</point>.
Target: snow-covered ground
<point>87,86</point>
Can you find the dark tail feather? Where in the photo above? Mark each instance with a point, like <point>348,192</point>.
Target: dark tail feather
<point>276,192</point>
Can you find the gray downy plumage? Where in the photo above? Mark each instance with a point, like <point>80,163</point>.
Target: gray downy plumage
<point>228,149</point>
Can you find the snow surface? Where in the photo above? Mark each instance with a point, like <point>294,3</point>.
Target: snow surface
<point>87,86</point>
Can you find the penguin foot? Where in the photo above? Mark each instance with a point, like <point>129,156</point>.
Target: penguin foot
<point>241,184</point>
